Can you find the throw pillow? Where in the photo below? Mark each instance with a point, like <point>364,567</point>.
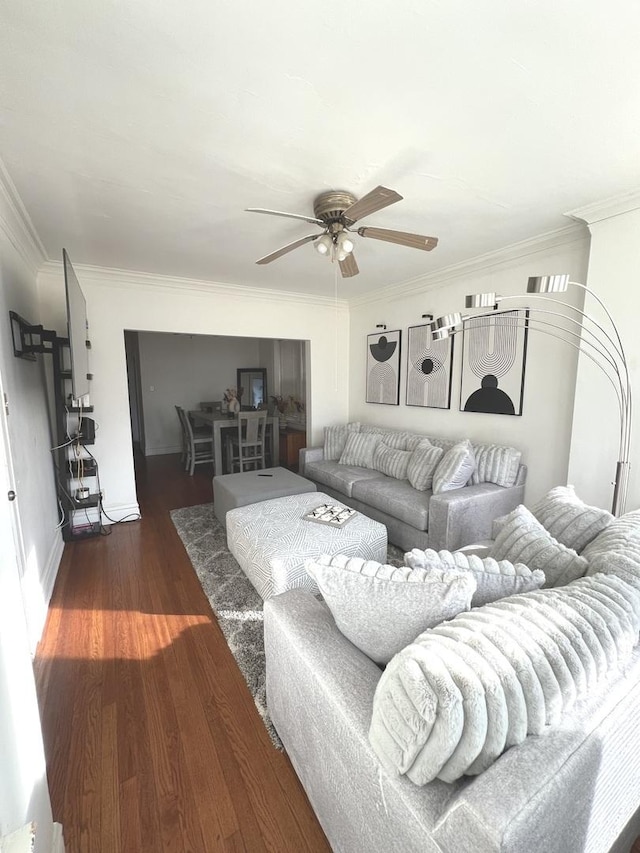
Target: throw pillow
<point>455,468</point>
<point>359,449</point>
<point>393,438</point>
<point>523,539</point>
<point>335,438</point>
<point>496,464</point>
<point>413,440</point>
<point>393,463</point>
<point>424,461</point>
<point>570,520</point>
<point>381,609</point>
<point>494,579</point>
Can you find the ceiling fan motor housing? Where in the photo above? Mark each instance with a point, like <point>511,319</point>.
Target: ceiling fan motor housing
<point>330,206</point>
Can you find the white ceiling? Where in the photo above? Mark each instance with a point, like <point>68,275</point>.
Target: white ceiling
<point>137,132</point>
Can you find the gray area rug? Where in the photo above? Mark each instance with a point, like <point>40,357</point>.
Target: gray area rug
<point>233,599</point>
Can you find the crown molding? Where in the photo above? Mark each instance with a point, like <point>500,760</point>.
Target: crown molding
<point>16,223</point>
<point>127,279</point>
<point>610,207</point>
<point>481,263</point>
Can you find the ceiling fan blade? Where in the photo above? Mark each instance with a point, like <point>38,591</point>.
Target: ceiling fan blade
<point>349,267</point>
<point>370,203</point>
<point>288,248</point>
<point>311,219</point>
<point>402,238</point>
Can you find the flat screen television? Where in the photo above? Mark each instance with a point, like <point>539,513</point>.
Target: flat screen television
<point>78,330</point>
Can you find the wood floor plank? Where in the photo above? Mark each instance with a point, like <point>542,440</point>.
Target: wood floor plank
<point>152,738</point>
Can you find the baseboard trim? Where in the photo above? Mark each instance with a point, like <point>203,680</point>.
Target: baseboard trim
<point>120,512</point>
<point>57,839</point>
<point>53,564</point>
<point>163,450</point>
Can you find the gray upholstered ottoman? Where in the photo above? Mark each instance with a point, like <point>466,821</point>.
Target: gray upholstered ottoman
<point>271,541</point>
<point>234,490</point>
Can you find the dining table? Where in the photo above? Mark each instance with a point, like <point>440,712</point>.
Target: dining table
<point>220,422</point>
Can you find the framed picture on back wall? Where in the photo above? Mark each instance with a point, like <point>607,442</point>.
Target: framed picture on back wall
<point>429,369</point>
<point>494,354</point>
<point>383,368</point>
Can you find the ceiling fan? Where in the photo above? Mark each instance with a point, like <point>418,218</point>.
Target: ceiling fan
<point>336,211</point>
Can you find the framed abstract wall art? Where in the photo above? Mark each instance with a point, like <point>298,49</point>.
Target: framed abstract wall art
<point>383,368</point>
<point>494,352</point>
<point>429,369</point>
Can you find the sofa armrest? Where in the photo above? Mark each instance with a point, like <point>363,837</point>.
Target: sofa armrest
<point>462,516</point>
<point>320,690</point>
<point>309,454</point>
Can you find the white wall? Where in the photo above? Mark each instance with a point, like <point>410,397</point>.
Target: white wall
<point>184,370</point>
<point>29,564</point>
<point>117,301</point>
<point>614,268</point>
<point>544,429</point>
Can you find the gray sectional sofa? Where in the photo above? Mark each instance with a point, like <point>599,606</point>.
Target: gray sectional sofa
<point>572,788</point>
<point>418,518</point>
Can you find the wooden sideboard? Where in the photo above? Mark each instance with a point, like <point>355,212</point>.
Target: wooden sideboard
<point>291,442</point>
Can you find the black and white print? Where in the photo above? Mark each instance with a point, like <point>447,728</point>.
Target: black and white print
<point>493,363</point>
<point>383,368</point>
<point>429,369</point>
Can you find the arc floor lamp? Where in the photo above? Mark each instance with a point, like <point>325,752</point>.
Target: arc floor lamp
<point>598,341</point>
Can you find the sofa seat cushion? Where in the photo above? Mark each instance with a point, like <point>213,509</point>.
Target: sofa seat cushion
<point>397,498</point>
<point>340,477</point>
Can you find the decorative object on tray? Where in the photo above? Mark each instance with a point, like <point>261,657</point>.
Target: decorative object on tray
<point>493,362</point>
<point>332,514</point>
<point>383,368</point>
<point>429,369</point>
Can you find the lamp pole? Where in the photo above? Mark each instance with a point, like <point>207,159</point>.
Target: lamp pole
<point>592,339</point>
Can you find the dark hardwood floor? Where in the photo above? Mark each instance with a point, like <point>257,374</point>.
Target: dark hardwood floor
<point>153,742</point>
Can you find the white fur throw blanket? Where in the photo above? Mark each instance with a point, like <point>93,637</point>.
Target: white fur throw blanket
<point>464,691</point>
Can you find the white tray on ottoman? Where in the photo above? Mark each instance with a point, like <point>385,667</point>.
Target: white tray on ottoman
<point>234,490</point>
<point>271,541</point>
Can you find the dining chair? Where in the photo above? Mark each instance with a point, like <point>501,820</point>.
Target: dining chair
<point>246,448</point>
<point>184,455</point>
<point>199,444</point>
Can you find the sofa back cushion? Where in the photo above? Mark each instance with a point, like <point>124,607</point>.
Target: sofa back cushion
<point>568,519</point>
<point>391,437</point>
<point>359,449</point>
<point>522,539</point>
<point>393,463</point>
<point>454,468</point>
<point>496,464</point>
<point>335,438</point>
<point>380,608</point>
<point>422,465</point>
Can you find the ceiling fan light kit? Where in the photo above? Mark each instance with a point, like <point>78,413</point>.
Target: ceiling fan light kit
<point>336,211</point>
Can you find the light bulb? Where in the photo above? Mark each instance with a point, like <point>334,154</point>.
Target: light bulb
<point>345,242</point>
<point>324,244</point>
<point>342,255</point>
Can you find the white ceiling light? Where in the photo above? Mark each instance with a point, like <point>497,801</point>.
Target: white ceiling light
<point>324,245</point>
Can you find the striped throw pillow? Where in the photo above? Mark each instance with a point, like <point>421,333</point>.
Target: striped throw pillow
<point>496,464</point>
<point>568,519</point>
<point>359,449</point>
<point>523,539</point>
<point>424,461</point>
<point>335,438</point>
<point>390,461</point>
<point>455,468</point>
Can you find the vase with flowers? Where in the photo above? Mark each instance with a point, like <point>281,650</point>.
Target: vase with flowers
<point>232,399</point>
